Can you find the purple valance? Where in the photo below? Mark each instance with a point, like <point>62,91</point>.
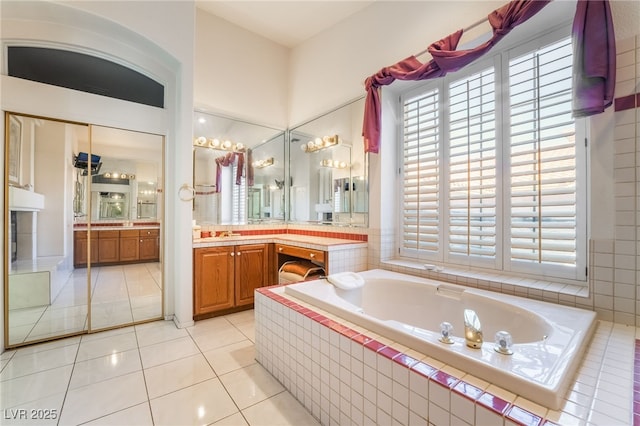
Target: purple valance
<point>445,59</point>
<point>594,58</point>
<point>225,161</point>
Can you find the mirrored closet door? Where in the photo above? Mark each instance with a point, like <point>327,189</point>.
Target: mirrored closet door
<point>83,219</point>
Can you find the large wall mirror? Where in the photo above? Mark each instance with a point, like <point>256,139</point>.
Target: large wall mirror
<point>84,213</point>
<point>239,171</point>
<point>329,170</point>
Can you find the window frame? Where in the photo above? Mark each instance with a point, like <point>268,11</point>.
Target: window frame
<point>502,263</point>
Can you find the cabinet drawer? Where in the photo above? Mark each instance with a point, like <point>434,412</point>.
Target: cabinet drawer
<point>301,252</point>
<point>108,234</point>
<point>149,232</point>
<point>81,235</point>
<point>129,233</point>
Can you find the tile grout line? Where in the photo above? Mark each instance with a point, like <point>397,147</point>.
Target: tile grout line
<point>66,392</point>
<point>144,376</point>
<point>219,379</point>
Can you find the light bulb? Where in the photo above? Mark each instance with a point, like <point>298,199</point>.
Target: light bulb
<point>239,146</point>
<point>201,141</point>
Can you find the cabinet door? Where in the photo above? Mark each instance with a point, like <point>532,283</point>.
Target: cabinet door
<point>80,249</point>
<point>149,244</point>
<point>129,248</point>
<point>108,250</point>
<point>252,271</point>
<point>213,279</point>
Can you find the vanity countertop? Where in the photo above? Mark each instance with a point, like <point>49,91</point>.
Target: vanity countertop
<point>306,241</point>
<point>116,227</point>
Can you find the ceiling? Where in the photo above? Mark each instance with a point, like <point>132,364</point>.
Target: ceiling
<point>288,23</point>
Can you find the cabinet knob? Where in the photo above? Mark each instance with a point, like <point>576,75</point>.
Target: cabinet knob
<point>239,253</point>
<point>232,254</point>
<point>312,255</point>
<point>140,240</point>
<point>280,249</point>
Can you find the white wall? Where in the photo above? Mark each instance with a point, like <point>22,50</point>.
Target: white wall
<point>330,68</point>
<point>162,47</point>
<point>239,73</point>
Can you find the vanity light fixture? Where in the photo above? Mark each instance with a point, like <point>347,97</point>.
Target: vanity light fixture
<point>215,143</point>
<point>260,164</point>
<point>321,143</point>
<point>118,175</point>
<point>333,164</point>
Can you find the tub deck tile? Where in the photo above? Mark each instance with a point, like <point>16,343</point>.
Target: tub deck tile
<point>523,417</point>
<point>374,345</point>
<point>467,390</point>
<point>444,379</point>
<point>405,360</point>
<point>388,352</point>
<point>362,339</point>
<point>493,403</point>
<point>423,369</point>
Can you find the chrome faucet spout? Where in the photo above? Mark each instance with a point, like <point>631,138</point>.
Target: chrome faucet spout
<point>472,329</point>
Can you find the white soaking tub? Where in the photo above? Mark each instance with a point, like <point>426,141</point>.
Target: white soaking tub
<point>548,339</point>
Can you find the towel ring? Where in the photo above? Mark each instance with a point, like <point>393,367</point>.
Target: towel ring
<point>186,192</point>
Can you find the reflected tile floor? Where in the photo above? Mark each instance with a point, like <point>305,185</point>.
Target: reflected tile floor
<point>121,294</point>
<point>148,374</point>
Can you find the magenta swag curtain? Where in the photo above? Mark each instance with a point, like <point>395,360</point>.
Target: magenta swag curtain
<point>225,161</point>
<point>447,59</point>
<point>594,58</point>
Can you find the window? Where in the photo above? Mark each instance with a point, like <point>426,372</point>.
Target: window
<point>493,171</point>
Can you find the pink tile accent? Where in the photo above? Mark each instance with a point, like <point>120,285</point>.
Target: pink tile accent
<point>446,380</point>
<point>423,369</point>
<point>388,352</point>
<point>523,417</point>
<point>467,390</point>
<point>625,102</point>
<point>493,403</point>
<point>374,345</point>
<point>349,333</point>
<point>405,360</point>
<point>362,339</point>
<point>636,382</point>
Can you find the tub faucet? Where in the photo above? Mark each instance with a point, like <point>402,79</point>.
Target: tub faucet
<point>472,329</point>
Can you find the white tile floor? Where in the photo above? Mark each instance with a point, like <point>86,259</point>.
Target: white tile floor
<point>149,374</point>
<point>121,294</point>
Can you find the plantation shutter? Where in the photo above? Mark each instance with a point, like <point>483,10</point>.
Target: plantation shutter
<point>472,166</point>
<point>543,157</point>
<point>239,197</point>
<point>421,186</point>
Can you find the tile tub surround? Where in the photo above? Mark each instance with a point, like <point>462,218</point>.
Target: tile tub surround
<point>347,375</point>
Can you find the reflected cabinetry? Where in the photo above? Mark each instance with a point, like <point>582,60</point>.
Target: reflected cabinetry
<point>109,247</point>
<point>226,277</point>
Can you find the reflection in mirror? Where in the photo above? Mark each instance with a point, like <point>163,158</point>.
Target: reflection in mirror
<point>125,192</point>
<point>47,296</point>
<point>67,234</point>
<point>237,167</point>
<point>329,170</point>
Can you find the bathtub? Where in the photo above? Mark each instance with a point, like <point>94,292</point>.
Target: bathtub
<point>548,339</point>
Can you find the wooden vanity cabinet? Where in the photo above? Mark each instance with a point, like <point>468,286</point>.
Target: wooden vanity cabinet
<point>149,244</point>
<point>129,245</point>
<point>111,247</point>
<point>226,277</point>
<point>214,272</point>
<point>108,246</point>
<point>251,271</point>
<point>80,245</point>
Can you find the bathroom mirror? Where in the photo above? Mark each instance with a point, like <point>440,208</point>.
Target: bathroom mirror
<point>237,167</point>
<point>329,170</point>
<point>77,263</point>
